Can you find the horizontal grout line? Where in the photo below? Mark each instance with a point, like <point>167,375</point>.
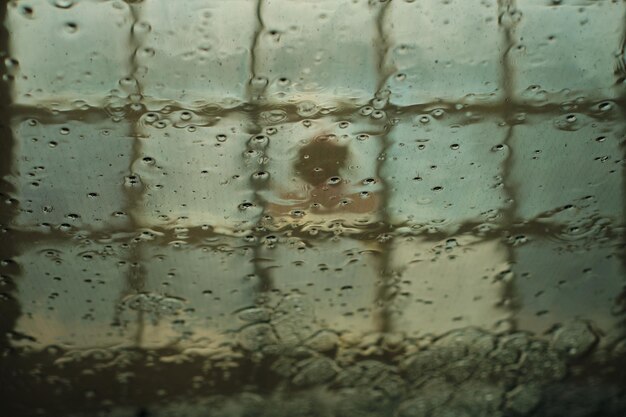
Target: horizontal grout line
<point>196,235</point>
<point>497,107</point>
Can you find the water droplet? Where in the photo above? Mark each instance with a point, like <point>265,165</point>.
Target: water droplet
<point>606,106</point>
<point>71,27</point>
<point>245,205</point>
<point>63,4</point>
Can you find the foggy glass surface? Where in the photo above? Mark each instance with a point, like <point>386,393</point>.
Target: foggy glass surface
<point>403,208</point>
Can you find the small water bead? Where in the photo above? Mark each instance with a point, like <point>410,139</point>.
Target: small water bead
<point>378,114</point>
<point>297,213</point>
<point>221,138</point>
<point>245,205</point>
<point>63,4</point>
<point>258,82</point>
<point>366,110</point>
<point>261,175</point>
<point>437,113</point>
<point>151,117</point>
<point>71,27</point>
<point>27,11</point>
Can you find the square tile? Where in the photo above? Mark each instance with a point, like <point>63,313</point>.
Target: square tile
<point>209,282</point>
<point>449,284</point>
<point>322,51</point>
<point>572,158</point>
<point>570,47</point>
<point>442,50</point>
<point>563,277</point>
<point>68,57</point>
<point>335,278</point>
<point>69,292</point>
<point>445,168</point>
<point>197,169</point>
<point>323,171</point>
<point>70,171</point>
<point>197,54</point>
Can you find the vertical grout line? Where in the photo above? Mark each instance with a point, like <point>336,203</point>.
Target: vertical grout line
<point>386,291</point>
<point>252,97</point>
<point>252,91</point>
<point>508,17</point>
<point>135,276</point>
<point>9,307</point>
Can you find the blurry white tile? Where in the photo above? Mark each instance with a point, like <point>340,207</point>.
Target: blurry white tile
<point>560,278</point>
<point>198,53</point>
<point>197,170</point>
<point>442,50</point>
<point>571,158</point>
<point>68,56</point>
<point>323,51</point>
<point>69,293</point>
<point>445,168</point>
<point>570,46</point>
<point>324,170</point>
<point>211,282</point>
<point>449,284</point>
<point>336,278</point>
<point>71,171</point>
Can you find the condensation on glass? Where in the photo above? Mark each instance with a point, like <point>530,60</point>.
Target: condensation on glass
<point>313,208</point>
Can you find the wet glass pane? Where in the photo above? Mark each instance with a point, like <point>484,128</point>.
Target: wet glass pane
<point>368,208</point>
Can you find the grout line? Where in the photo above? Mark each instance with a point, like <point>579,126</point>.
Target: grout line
<point>507,20</point>
<point>136,274</point>
<point>10,309</point>
<point>261,272</point>
<point>386,291</point>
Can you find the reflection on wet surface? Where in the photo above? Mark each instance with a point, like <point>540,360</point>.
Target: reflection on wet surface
<point>292,208</point>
